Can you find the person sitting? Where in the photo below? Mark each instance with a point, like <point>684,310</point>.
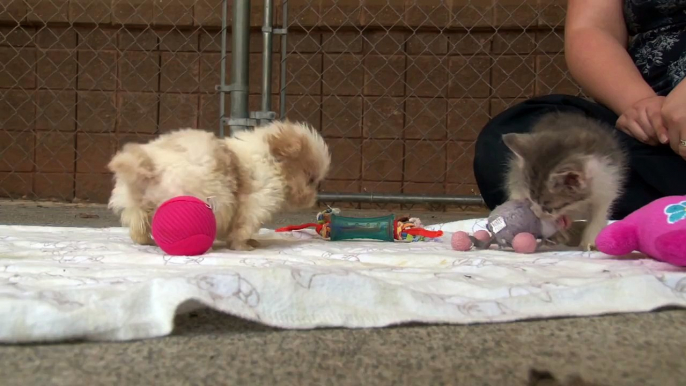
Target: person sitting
<point>630,57</point>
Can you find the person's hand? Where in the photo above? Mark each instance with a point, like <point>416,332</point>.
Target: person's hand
<point>644,121</point>
<point>674,116</point>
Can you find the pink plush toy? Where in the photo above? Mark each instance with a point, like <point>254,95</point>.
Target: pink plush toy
<point>658,230</point>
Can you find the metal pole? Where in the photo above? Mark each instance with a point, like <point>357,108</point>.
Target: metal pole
<point>284,48</point>
<point>267,35</point>
<point>240,71</point>
<point>400,199</point>
<point>222,72</point>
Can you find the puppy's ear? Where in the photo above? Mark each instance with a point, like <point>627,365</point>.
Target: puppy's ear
<point>286,144</point>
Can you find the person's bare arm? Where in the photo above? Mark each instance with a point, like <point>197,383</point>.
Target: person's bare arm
<point>674,115</point>
<point>595,50</point>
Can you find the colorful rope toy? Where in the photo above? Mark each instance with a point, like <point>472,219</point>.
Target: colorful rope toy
<point>331,226</point>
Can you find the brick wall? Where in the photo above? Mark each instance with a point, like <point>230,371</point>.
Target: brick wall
<point>399,90</point>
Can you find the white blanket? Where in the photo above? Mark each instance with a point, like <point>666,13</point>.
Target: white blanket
<point>66,283</point>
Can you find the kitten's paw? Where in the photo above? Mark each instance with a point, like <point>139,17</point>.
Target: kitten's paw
<point>549,242</point>
<point>559,238</point>
<point>588,246</point>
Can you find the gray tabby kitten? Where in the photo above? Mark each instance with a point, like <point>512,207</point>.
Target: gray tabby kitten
<point>569,165</point>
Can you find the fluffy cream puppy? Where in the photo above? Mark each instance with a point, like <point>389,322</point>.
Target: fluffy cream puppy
<point>248,177</point>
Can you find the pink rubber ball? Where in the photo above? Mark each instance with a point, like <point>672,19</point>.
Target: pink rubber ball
<point>184,226</point>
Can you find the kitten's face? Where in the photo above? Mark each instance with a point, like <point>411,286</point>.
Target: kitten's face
<point>555,184</point>
<point>559,193</point>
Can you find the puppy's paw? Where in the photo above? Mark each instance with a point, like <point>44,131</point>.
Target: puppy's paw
<point>141,238</point>
<point>253,243</point>
<point>149,241</point>
<point>241,246</point>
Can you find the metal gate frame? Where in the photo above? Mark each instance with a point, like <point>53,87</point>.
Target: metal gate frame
<point>241,118</point>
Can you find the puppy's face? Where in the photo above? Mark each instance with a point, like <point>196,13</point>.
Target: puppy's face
<point>304,159</point>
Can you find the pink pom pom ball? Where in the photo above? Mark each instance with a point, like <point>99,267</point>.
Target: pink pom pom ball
<point>524,243</point>
<point>184,226</point>
<point>460,241</point>
<point>482,235</point>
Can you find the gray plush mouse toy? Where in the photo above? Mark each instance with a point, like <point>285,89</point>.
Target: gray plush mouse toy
<point>512,224</point>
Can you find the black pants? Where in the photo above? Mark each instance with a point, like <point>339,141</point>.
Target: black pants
<point>655,171</point>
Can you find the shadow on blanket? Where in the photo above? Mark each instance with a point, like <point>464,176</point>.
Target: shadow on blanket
<point>545,378</point>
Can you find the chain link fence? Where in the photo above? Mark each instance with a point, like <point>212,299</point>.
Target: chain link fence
<point>399,88</point>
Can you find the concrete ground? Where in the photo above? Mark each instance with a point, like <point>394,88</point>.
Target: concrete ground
<point>210,348</point>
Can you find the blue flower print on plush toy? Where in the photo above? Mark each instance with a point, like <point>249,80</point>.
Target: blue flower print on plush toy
<point>676,212</point>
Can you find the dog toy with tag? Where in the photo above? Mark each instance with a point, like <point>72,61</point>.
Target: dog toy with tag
<point>512,224</point>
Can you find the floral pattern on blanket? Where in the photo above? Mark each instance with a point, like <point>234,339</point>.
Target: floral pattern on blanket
<point>61,283</point>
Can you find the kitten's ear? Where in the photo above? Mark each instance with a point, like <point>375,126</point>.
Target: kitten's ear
<point>572,181</point>
<point>517,143</point>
